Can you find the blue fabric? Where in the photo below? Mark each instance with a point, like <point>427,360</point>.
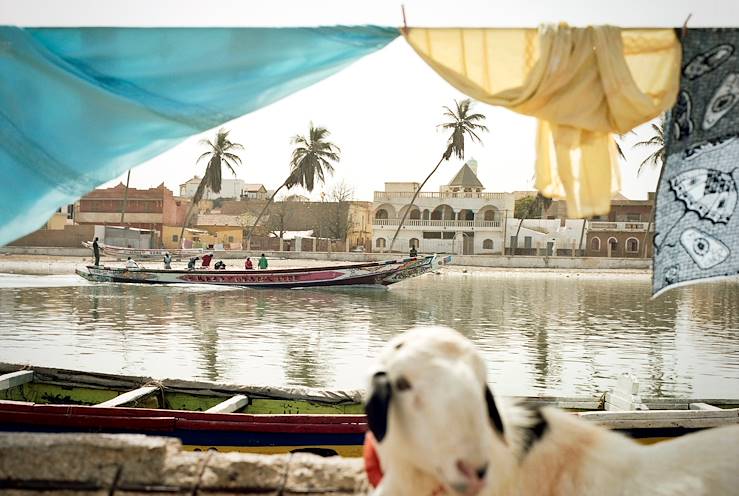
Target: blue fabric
<point>78,107</point>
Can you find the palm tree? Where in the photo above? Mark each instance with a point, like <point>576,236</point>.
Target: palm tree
<point>311,160</point>
<point>462,122</point>
<point>657,159</point>
<point>125,196</point>
<point>220,152</point>
<point>539,204</point>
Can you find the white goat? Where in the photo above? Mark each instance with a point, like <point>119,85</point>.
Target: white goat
<point>440,432</point>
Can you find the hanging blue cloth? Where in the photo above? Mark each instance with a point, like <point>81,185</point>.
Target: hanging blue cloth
<point>79,107</point>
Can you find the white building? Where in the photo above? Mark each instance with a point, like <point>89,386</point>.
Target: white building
<point>545,237</point>
<point>460,219</point>
<point>230,188</point>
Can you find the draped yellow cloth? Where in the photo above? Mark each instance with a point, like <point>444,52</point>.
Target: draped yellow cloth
<point>582,84</point>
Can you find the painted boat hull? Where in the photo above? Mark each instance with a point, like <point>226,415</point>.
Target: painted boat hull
<point>366,274</point>
<point>275,420</point>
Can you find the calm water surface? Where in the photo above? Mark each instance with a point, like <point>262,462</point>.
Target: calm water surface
<point>540,333</point>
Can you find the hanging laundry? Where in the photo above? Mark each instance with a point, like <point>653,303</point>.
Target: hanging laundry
<point>582,84</point>
<point>697,224</point>
<point>78,107</point>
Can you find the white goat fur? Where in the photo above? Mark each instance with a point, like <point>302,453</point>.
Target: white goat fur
<point>443,418</point>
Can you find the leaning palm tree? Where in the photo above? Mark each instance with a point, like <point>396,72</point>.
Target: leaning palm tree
<point>220,152</point>
<point>461,122</point>
<point>536,207</point>
<point>311,160</point>
<point>656,159</point>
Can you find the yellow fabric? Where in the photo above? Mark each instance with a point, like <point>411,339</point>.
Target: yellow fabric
<point>583,84</point>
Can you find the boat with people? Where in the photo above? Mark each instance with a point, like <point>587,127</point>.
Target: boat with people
<point>382,273</point>
<point>269,419</point>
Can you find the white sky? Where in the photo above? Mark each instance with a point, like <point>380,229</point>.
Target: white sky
<point>383,110</point>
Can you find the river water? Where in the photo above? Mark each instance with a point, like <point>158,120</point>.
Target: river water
<point>541,333</point>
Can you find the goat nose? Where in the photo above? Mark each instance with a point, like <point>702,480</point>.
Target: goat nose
<point>482,471</point>
<point>472,473</point>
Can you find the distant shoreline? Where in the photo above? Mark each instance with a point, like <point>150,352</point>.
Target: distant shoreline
<point>25,264</point>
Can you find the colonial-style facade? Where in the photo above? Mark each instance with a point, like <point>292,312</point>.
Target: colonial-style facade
<point>460,219</point>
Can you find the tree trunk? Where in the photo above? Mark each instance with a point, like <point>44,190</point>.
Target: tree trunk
<point>259,217</point>
<point>582,235</point>
<point>125,196</point>
<point>518,230</point>
<point>184,224</point>
<point>646,239</point>
<point>415,195</point>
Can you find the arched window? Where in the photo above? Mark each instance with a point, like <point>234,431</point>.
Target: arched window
<point>415,214</point>
<point>490,215</point>
<point>487,244</point>
<point>380,243</point>
<point>612,244</point>
<point>595,244</point>
<point>632,245</point>
<point>426,214</point>
<point>381,214</point>
<point>413,243</point>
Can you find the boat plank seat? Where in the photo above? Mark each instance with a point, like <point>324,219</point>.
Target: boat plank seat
<point>14,379</point>
<point>129,397</point>
<point>695,419</point>
<point>231,405</point>
<point>703,406</point>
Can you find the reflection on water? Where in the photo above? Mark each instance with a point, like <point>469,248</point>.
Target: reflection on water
<point>540,334</point>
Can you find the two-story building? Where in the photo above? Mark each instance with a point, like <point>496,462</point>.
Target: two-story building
<point>461,218</point>
<point>230,189</point>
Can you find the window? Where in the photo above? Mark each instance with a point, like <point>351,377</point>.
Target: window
<point>380,243</point>
<point>447,235</point>
<point>527,242</point>
<point>487,244</point>
<point>595,244</point>
<point>381,214</point>
<point>413,243</point>
<point>431,235</point>
<point>632,245</point>
<point>415,214</point>
<point>230,239</point>
<point>490,215</point>
<point>633,218</point>
<point>175,238</point>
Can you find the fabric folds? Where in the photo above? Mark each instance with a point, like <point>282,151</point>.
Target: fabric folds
<point>78,107</point>
<point>582,84</point>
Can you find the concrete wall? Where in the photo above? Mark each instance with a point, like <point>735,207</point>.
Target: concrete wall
<point>70,237</point>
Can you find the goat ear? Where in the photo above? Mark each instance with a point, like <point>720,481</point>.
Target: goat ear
<point>493,412</point>
<point>378,404</point>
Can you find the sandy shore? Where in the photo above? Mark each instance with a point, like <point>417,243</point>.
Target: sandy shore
<point>58,265</point>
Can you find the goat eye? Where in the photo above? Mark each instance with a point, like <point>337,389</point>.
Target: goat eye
<point>402,384</point>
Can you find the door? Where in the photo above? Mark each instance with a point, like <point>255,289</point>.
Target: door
<point>468,247</point>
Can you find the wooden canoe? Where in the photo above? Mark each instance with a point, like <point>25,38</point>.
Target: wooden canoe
<point>255,419</point>
<point>361,274</point>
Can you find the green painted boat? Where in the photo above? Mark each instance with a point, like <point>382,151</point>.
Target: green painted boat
<point>267,419</point>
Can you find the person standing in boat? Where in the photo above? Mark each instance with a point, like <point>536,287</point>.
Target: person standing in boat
<point>167,261</point>
<point>191,263</point>
<point>248,265</point>
<point>206,260</point>
<point>131,264</point>
<point>96,252</point>
<point>263,262</point>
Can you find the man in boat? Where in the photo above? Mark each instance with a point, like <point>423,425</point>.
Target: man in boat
<point>263,262</point>
<point>96,251</point>
<point>131,264</point>
<point>167,261</point>
<point>248,265</point>
<point>220,265</point>
<point>413,253</point>
<point>206,260</point>
<point>191,263</point>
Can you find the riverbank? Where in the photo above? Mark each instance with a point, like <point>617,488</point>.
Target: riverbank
<point>45,261</point>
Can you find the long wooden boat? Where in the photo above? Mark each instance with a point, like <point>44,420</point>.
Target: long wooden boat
<point>361,274</point>
<point>144,253</point>
<point>255,419</point>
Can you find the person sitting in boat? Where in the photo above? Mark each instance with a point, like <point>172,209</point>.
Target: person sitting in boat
<point>191,263</point>
<point>413,253</point>
<point>167,261</point>
<point>248,265</point>
<point>206,260</point>
<point>263,262</point>
<point>131,264</point>
<point>220,265</point>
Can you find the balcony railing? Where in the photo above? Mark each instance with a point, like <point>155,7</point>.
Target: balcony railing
<point>618,226</point>
<point>400,195</point>
<point>490,224</point>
